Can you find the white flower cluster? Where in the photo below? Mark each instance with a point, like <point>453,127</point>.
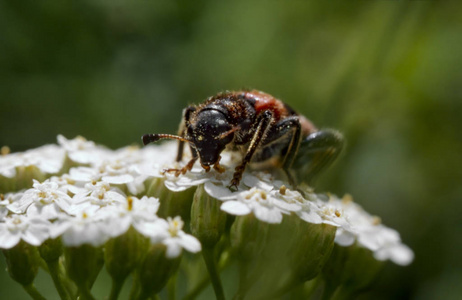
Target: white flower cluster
<point>48,159</point>
<point>87,204</point>
<point>269,200</point>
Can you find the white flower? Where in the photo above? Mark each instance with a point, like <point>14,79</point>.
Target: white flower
<point>309,209</point>
<point>3,207</point>
<point>153,159</point>
<point>48,159</point>
<point>85,174</point>
<point>169,232</point>
<point>335,216</point>
<point>368,231</point>
<point>8,165</point>
<point>218,188</point>
<point>5,201</point>
<point>183,182</point>
<point>82,151</point>
<point>398,253</point>
<point>97,194</point>
<point>265,205</point>
<point>116,172</point>
<point>139,213</point>
<point>114,169</point>
<point>67,185</point>
<point>119,171</point>
<point>86,227</point>
<point>32,230</point>
<point>44,199</point>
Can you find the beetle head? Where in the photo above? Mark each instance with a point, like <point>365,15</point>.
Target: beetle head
<point>210,132</point>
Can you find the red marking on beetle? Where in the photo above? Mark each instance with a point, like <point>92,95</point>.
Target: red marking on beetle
<point>264,101</point>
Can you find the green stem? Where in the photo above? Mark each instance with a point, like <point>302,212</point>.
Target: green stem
<point>152,186</point>
<point>70,287</point>
<point>204,281</point>
<point>44,265</point>
<point>53,267</point>
<point>85,294</point>
<point>287,286</point>
<point>68,284</point>
<point>116,287</point>
<point>314,285</point>
<point>171,287</point>
<point>32,291</point>
<point>144,295</point>
<point>207,253</point>
<point>341,293</point>
<point>194,292</point>
<point>135,287</point>
<point>243,283</point>
<point>329,290</point>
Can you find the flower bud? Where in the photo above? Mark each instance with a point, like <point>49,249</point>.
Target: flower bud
<point>25,175</point>
<point>207,220</point>
<point>311,248</point>
<point>124,253</point>
<point>7,184</point>
<point>83,264</point>
<point>155,270</point>
<point>21,178</point>
<point>248,236</point>
<point>353,268</point>
<point>22,262</point>
<point>297,250</point>
<point>172,203</point>
<point>51,249</point>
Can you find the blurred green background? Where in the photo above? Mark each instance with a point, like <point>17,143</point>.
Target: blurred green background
<point>388,74</point>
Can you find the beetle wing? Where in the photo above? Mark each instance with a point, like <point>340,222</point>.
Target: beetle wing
<point>316,152</point>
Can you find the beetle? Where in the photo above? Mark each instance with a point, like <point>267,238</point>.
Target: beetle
<point>266,130</point>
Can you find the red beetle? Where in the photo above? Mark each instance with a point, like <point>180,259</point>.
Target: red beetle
<point>264,128</point>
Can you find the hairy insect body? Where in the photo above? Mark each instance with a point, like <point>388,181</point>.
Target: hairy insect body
<point>239,111</point>
<point>267,131</point>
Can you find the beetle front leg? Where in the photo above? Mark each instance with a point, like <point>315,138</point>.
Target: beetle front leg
<point>186,168</point>
<point>263,123</point>
<point>182,130</point>
<point>316,152</point>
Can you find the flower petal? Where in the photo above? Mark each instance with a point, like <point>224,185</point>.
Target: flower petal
<point>235,208</point>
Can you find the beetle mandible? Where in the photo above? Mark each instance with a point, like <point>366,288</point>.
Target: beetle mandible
<point>266,130</point>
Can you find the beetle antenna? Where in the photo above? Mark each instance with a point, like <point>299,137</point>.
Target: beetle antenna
<point>154,137</point>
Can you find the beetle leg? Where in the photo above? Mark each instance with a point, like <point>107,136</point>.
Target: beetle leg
<point>217,166</point>
<point>263,124</point>
<point>186,168</point>
<point>285,132</point>
<point>182,130</point>
<point>291,124</point>
<point>316,152</point>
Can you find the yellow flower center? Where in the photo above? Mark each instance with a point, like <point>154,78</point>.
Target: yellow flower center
<point>130,203</point>
<point>5,150</point>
